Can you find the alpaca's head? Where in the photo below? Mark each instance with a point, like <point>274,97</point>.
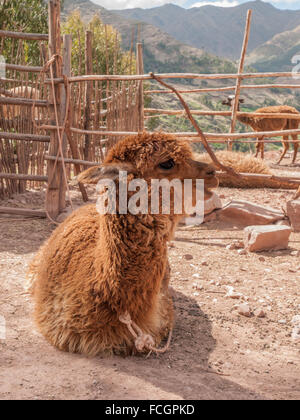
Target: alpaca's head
<point>229,100</point>
<point>153,157</point>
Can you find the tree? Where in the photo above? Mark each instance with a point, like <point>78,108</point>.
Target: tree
<point>23,16</point>
<point>108,56</point>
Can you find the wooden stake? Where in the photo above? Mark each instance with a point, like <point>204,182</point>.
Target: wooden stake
<point>53,196</point>
<point>140,70</point>
<point>88,90</point>
<point>239,79</point>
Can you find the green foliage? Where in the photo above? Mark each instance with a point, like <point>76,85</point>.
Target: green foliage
<point>108,56</point>
<point>23,16</point>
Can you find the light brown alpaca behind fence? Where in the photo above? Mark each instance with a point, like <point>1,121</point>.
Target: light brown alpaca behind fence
<point>18,92</point>
<point>96,268</point>
<point>270,124</point>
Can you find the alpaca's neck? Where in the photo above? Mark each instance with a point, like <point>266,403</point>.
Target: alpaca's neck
<point>244,119</point>
<point>131,257</point>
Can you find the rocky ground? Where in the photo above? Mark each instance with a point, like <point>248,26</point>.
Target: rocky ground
<point>216,353</point>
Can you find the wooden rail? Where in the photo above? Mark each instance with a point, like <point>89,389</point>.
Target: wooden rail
<point>202,76</point>
<point>268,115</point>
<point>224,89</point>
<point>22,177</point>
<point>23,212</point>
<point>18,67</point>
<point>26,36</point>
<point>73,161</point>
<point>24,137</point>
<point>23,102</point>
<point>214,136</point>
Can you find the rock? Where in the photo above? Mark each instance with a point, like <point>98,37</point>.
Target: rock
<point>242,251</point>
<point>262,259</point>
<point>236,244</point>
<point>245,213</point>
<point>260,313</point>
<point>293,213</point>
<point>188,257</point>
<point>296,333</point>
<point>295,253</point>
<point>265,238</point>
<point>213,203</point>
<point>210,205</point>
<point>231,293</point>
<point>197,286</point>
<point>284,222</point>
<point>282,321</point>
<point>244,309</point>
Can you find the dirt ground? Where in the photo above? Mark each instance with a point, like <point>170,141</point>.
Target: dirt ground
<point>215,352</point>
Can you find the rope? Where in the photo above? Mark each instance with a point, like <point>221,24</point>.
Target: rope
<point>143,341</point>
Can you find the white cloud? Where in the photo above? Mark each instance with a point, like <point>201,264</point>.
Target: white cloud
<point>130,4</point>
<point>221,3</point>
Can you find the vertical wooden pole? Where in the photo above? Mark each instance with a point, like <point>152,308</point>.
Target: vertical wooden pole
<point>67,50</point>
<point>88,90</point>
<point>54,196</point>
<point>140,70</point>
<point>239,79</point>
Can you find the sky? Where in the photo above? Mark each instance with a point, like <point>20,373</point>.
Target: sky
<point>147,4</point>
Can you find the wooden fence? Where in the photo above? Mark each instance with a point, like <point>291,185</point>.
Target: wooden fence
<point>76,119</point>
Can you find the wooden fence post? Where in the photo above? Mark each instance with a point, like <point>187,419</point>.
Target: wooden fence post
<point>67,51</point>
<point>140,70</point>
<point>239,79</point>
<point>88,90</point>
<point>54,201</point>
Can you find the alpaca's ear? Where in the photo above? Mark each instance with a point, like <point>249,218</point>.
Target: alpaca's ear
<point>107,171</point>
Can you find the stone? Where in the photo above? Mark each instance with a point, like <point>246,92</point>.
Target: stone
<point>260,313</point>
<point>245,213</point>
<point>231,293</point>
<point>293,213</point>
<point>244,309</point>
<point>266,238</point>
<point>188,256</point>
<point>213,203</point>
<point>296,333</point>
<point>284,222</point>
<point>210,205</point>
<point>236,244</point>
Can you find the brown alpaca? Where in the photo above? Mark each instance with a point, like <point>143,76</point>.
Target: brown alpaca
<point>18,92</point>
<point>94,268</point>
<point>270,124</point>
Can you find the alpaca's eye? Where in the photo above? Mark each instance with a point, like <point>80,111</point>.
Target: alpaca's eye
<point>169,164</point>
<point>211,173</point>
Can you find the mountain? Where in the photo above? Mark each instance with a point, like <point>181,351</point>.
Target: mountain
<point>277,53</point>
<point>162,52</point>
<point>218,30</point>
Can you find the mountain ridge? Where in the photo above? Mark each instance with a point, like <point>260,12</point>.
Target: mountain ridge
<point>162,52</point>
<point>204,27</point>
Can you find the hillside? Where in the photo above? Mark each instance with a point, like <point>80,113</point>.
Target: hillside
<point>162,52</point>
<point>218,30</point>
<point>277,53</point>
